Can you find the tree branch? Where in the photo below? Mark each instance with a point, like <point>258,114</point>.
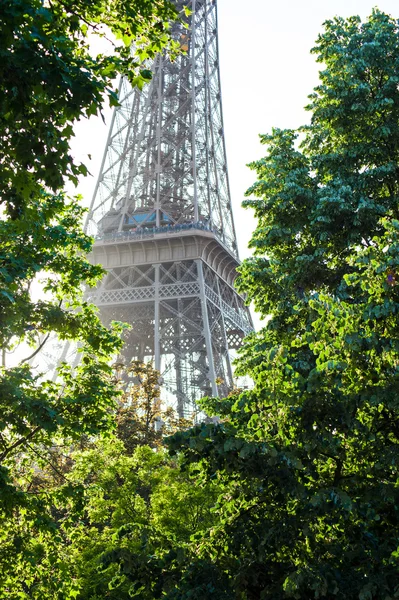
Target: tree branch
<point>338,472</point>
<point>28,358</point>
<point>94,28</point>
<point>19,442</point>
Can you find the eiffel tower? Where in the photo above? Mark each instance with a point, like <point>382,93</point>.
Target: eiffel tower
<point>162,220</point>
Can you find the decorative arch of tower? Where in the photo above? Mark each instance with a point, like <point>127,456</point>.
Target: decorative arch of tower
<point>162,220</point>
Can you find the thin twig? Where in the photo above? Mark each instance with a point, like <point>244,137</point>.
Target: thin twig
<point>48,462</point>
<point>95,28</point>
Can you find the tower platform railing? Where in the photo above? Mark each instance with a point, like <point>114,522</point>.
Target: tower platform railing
<point>144,233</point>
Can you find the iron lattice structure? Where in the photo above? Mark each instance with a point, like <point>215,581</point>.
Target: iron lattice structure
<point>162,219</point>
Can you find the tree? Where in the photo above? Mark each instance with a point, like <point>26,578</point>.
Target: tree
<point>105,496</point>
<point>308,459</point>
<point>136,502</point>
<point>48,81</point>
<point>141,418</point>
<point>140,511</point>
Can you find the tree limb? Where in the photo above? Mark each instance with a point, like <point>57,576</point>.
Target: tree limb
<point>28,358</point>
<point>19,442</point>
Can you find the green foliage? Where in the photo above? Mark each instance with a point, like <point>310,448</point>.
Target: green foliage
<point>139,510</point>
<point>308,460</point>
<point>141,418</point>
<point>139,513</point>
<point>48,81</point>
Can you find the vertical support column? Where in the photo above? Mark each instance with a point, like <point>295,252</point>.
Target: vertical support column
<point>207,332</point>
<point>193,128</point>
<point>229,220</point>
<point>215,168</point>
<point>208,125</point>
<point>157,349</point>
<point>180,388</point>
<point>158,166</point>
<point>230,371</point>
<point>107,147</point>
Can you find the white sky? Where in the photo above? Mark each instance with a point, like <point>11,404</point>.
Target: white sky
<point>267,73</point>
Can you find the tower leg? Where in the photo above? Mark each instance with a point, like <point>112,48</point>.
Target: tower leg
<point>157,349</point>
<point>206,330</point>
